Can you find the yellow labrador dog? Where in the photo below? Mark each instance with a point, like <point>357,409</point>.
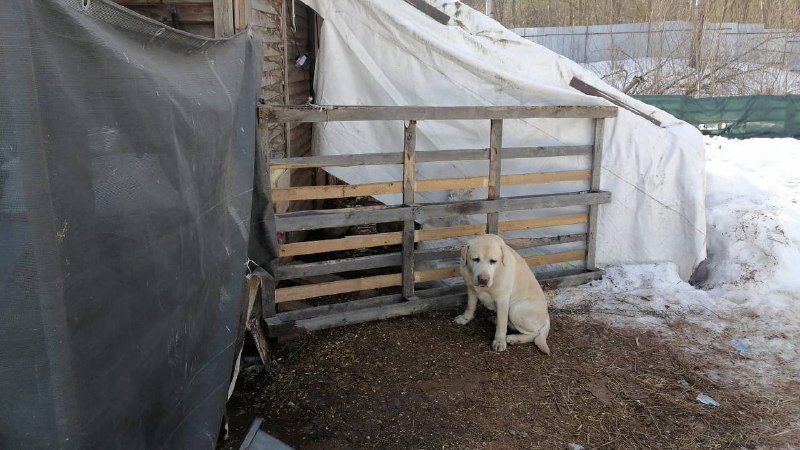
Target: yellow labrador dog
<point>497,275</point>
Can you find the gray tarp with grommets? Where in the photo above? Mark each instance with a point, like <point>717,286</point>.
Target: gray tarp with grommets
<point>126,182</point>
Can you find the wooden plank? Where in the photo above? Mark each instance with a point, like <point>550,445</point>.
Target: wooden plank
<point>241,14</point>
<point>597,167</point>
<point>495,147</point>
<point>336,287</point>
<point>409,182</point>
<point>380,281</point>
<point>429,234</point>
<point>282,113</point>
<point>223,18</point>
<point>367,159</point>
<point>289,272</point>
<point>384,307</point>
<point>315,219</point>
<point>593,91</point>
<point>336,191</point>
<point>294,271</point>
<point>353,305</point>
<point>474,207</point>
<point>365,315</point>
<point>395,187</point>
<point>535,260</point>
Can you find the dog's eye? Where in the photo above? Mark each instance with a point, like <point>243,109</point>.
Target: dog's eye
<point>492,261</point>
<point>476,260</point>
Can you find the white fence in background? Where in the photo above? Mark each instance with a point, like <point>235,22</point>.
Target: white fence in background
<point>588,44</point>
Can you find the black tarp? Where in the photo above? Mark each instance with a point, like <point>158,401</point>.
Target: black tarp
<point>126,180</point>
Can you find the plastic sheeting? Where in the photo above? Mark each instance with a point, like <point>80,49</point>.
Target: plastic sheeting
<point>126,176</point>
<point>390,53</point>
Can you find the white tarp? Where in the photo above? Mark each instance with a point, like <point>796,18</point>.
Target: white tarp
<point>386,52</point>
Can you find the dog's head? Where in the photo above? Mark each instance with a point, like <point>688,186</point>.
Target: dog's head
<point>482,257</point>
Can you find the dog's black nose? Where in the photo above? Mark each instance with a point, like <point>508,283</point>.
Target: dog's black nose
<point>483,281</point>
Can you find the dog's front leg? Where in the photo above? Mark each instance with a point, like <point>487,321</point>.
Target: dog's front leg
<point>469,313</point>
<point>499,343</point>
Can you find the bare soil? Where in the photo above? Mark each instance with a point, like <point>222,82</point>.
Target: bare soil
<point>425,382</point>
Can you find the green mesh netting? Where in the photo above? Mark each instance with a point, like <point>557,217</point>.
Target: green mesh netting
<point>736,117</point>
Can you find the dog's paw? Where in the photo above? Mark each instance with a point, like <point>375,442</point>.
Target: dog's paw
<point>499,345</point>
<point>462,319</point>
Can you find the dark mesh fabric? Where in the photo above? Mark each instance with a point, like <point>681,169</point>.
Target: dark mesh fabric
<point>734,117</point>
<point>126,180</point>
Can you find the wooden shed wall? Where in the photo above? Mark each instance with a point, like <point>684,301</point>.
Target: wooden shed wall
<point>285,30</point>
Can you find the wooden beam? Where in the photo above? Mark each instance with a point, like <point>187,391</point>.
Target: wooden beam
<point>409,183</point>
<point>282,113</point>
<point>368,159</point>
<point>588,89</point>
<point>223,18</point>
<point>385,307</point>
<point>295,271</point>
<point>323,218</point>
<point>241,14</point>
<point>396,187</point>
<point>428,234</point>
<point>597,168</point>
<point>293,293</point>
<point>472,207</point>
<point>495,146</point>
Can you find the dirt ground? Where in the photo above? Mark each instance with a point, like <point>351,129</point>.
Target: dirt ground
<point>424,382</point>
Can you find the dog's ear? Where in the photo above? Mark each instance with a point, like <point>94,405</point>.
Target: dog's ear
<point>465,254</point>
<point>503,254</point>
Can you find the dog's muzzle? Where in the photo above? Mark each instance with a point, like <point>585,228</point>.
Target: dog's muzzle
<point>483,281</point>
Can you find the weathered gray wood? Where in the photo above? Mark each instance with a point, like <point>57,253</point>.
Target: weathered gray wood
<point>409,182</point>
<point>597,167</point>
<point>289,272</point>
<point>223,18</point>
<point>432,12</point>
<point>495,152</point>
<point>282,113</point>
<point>366,159</point>
<point>387,307</point>
<point>315,219</point>
<point>562,281</point>
<point>354,305</point>
<point>259,337</point>
<point>593,91</point>
<point>268,285</point>
<point>470,207</point>
<point>454,252</point>
<point>366,315</point>
<point>359,159</point>
<point>324,218</point>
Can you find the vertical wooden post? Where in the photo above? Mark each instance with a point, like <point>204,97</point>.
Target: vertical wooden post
<point>495,166</point>
<point>409,181</point>
<point>223,18</point>
<point>597,161</point>
<point>241,14</point>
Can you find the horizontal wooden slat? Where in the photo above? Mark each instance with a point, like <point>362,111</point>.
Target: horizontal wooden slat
<point>336,287</point>
<point>315,219</point>
<point>293,271</point>
<point>396,187</point>
<point>380,281</point>
<point>430,234</point>
<point>465,208</point>
<point>282,113</point>
<point>370,159</point>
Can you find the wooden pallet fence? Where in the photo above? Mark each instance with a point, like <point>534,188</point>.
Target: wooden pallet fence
<point>402,266</point>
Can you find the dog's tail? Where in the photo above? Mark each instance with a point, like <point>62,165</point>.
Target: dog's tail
<point>541,339</point>
<point>541,342</point>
